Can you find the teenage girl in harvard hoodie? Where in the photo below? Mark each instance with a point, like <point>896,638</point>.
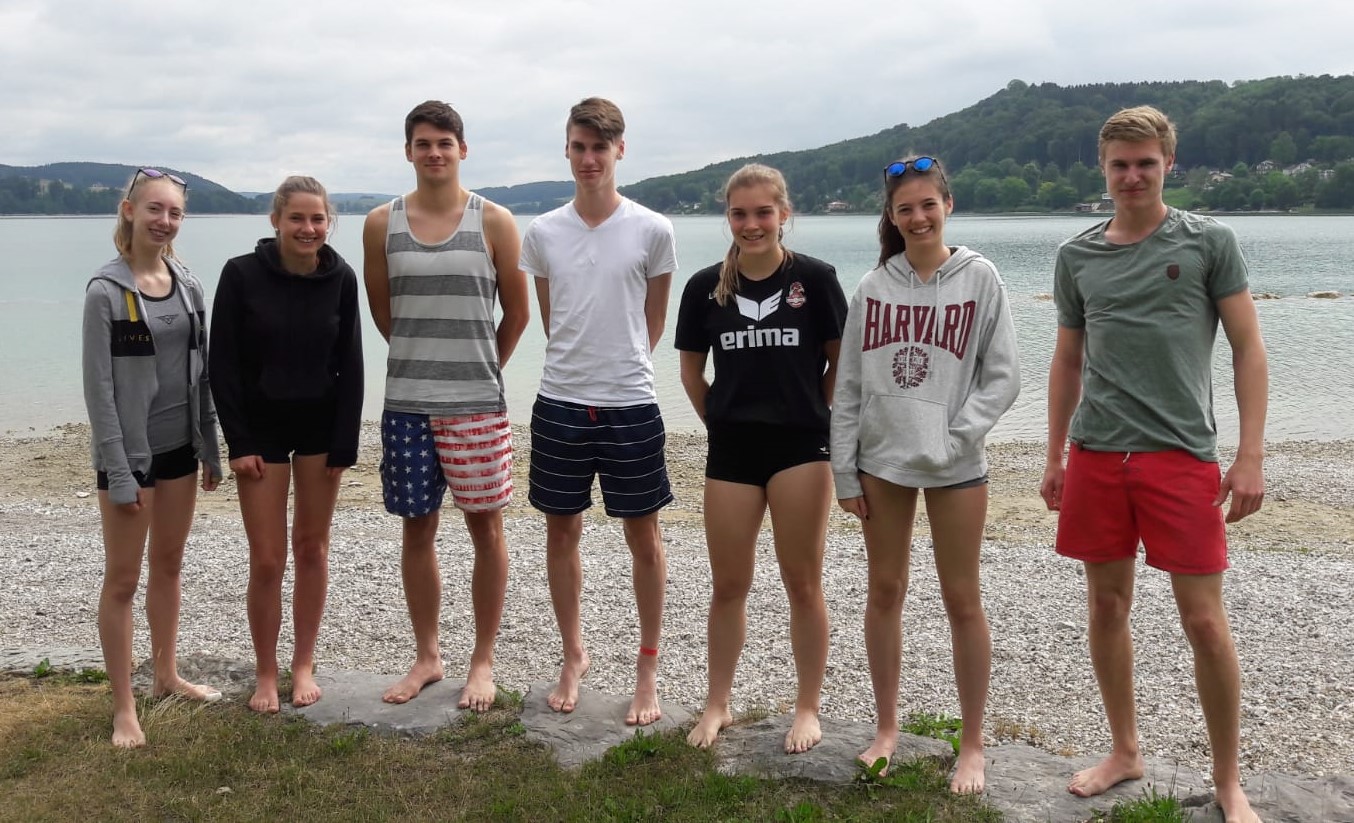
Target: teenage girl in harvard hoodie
<point>928,363</point>
<point>152,424</point>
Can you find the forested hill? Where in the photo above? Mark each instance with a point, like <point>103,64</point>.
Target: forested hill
<point>1047,133</point>
<point>96,188</point>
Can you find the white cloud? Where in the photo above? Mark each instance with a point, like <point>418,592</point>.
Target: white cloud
<point>246,92</point>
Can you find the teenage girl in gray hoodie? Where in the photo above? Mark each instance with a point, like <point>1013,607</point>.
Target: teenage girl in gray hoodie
<point>152,423</point>
<point>928,363</point>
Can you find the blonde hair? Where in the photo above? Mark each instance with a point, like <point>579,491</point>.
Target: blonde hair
<point>122,232</point>
<point>1138,125</point>
<point>753,174</point>
<point>299,184</point>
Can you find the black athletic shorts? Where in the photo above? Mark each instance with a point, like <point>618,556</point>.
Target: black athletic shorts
<point>283,428</point>
<point>753,453</point>
<point>170,465</point>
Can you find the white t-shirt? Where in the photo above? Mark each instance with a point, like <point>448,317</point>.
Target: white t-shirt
<point>598,351</point>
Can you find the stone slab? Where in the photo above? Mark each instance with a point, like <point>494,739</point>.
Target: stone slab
<point>354,698</point>
<point>595,725</point>
<point>233,678</point>
<point>61,658</point>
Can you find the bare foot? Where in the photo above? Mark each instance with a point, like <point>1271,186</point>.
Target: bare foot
<point>644,708</point>
<point>304,690</point>
<point>564,697</point>
<point>127,732</point>
<point>479,692</point>
<point>265,699</point>
<point>1235,807</point>
<point>715,720</point>
<point>188,691</point>
<point>1106,774</point>
<point>408,687</point>
<point>969,773</point>
<point>883,746</point>
<point>804,733</point>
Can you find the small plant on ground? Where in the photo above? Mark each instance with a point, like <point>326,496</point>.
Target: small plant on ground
<point>1150,808</point>
<point>43,668</point>
<point>640,747</point>
<point>939,726</point>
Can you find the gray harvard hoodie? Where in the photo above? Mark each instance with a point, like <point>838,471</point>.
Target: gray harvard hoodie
<point>925,371</point>
<point>120,381</point>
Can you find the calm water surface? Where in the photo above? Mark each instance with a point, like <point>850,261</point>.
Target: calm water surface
<point>47,261</point>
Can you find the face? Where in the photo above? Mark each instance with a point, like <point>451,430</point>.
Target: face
<point>1135,173</point>
<point>755,218</point>
<point>156,213</point>
<point>302,226</point>
<point>592,158</point>
<point>435,153</point>
<point>918,210</point>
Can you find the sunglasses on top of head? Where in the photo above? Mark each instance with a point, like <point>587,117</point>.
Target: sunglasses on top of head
<point>156,174</point>
<point>901,167</point>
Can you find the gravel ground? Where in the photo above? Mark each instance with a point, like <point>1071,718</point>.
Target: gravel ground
<point>1288,594</point>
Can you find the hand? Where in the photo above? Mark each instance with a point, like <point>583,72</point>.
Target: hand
<point>335,472</point>
<point>136,505</point>
<point>209,481</point>
<point>856,506</point>
<point>1245,482</point>
<point>249,467</point>
<point>1051,489</point>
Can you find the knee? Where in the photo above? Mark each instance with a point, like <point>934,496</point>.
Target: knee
<point>267,568</point>
<point>1108,608</point>
<point>965,611</point>
<point>804,591</point>
<point>887,595</point>
<point>486,529</point>
<point>120,588</point>
<point>731,592</point>
<point>1206,630</point>
<point>311,550</point>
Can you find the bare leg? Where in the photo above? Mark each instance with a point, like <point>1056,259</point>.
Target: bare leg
<point>263,507</point>
<point>649,568</point>
<point>1218,677</point>
<point>488,586</point>
<point>316,496</point>
<point>423,593</point>
<point>1109,588</point>
<point>564,569</point>
<point>957,517</point>
<point>124,541</point>
<point>800,498</point>
<point>888,548</point>
<point>733,516</point>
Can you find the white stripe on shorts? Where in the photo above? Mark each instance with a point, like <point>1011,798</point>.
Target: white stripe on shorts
<point>475,451</point>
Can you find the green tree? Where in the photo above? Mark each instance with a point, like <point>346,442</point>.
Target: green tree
<point>1013,193</point>
<point>1283,150</point>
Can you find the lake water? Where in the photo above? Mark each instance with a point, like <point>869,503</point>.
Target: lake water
<point>46,262</point>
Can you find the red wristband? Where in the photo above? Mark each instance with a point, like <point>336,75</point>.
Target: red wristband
<point>648,651</point>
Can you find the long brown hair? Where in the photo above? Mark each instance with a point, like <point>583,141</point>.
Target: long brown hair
<point>753,174</point>
<point>891,240</point>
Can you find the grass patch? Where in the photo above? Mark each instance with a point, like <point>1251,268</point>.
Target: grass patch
<point>939,726</point>
<point>223,762</point>
<point>1150,808</point>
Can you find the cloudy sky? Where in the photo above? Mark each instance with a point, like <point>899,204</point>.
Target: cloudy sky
<point>246,92</point>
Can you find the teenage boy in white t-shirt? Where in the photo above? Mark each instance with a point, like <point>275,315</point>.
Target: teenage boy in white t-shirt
<point>603,267</point>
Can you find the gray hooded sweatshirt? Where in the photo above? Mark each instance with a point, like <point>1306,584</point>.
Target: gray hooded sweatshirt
<point>120,381</point>
<point>925,371</point>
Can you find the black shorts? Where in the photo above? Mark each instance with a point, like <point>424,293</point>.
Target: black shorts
<point>170,465</point>
<point>753,453</point>
<point>283,428</point>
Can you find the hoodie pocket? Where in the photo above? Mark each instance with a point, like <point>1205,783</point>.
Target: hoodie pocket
<point>909,432</point>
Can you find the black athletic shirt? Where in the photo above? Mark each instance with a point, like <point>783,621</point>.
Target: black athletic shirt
<point>767,341</point>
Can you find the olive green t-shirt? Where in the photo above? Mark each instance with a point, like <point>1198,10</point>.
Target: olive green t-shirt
<point>1149,312</point>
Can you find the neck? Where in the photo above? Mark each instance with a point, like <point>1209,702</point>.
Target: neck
<point>299,264</point>
<point>1138,222</point>
<point>441,196</point>
<point>594,206</point>
<point>145,258</point>
<point>761,266</point>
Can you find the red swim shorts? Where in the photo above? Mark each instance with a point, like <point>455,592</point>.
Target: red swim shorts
<point>1113,500</point>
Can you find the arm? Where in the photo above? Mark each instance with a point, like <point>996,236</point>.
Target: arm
<point>226,364</point>
<point>1064,392</point>
<point>656,306</point>
<point>543,301</point>
<point>97,368</point>
<point>845,435</point>
<point>505,247</point>
<point>693,379</point>
<point>998,382</point>
<point>207,420</point>
<point>375,270</point>
<point>832,350</point>
<point>350,386</point>
<point>1245,480</point>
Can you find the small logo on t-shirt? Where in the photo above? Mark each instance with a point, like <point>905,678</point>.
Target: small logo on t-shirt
<point>168,319</point>
<point>911,366</point>
<point>795,298</point>
<point>1173,271</point>
<point>754,310</point>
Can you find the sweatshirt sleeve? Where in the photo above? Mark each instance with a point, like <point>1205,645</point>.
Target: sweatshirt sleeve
<point>227,378</point>
<point>349,384</point>
<point>97,366</point>
<point>997,381</point>
<point>845,435</point>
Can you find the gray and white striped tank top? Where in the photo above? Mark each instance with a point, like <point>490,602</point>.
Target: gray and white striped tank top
<point>443,352</point>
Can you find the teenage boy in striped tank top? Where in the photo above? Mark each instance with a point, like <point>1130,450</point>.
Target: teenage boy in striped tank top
<point>434,261</point>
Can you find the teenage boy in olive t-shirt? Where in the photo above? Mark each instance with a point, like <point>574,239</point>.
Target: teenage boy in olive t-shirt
<point>1139,301</point>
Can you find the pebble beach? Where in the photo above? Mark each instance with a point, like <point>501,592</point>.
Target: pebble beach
<point>1288,593</point>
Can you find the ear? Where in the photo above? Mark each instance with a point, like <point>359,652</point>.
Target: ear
<point>126,207</point>
<point>465,148</point>
<point>408,152</point>
<point>620,148</point>
<point>273,218</point>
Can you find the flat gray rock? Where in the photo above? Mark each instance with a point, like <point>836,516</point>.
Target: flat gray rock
<point>233,678</point>
<point>595,725</point>
<point>60,658</point>
<point>354,699</point>
<point>1284,798</point>
<point>758,749</point>
<point>1029,784</point>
